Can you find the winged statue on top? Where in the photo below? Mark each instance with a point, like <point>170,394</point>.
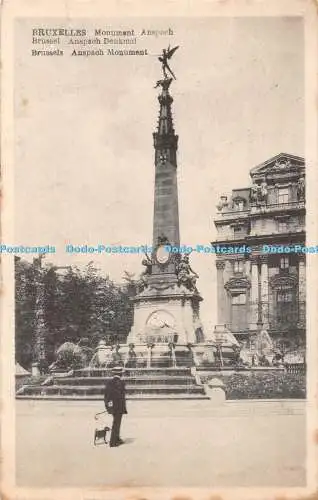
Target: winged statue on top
<point>165,56</point>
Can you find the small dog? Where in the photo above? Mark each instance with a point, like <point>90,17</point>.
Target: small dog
<point>101,434</point>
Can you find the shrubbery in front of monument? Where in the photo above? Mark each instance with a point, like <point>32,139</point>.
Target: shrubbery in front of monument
<point>268,385</point>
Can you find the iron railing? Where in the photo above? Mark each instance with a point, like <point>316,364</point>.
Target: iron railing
<point>296,368</point>
<point>266,207</point>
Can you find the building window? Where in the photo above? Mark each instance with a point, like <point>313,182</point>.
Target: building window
<point>239,205</point>
<point>238,266</point>
<point>284,296</point>
<point>282,227</point>
<point>239,231</point>
<point>238,312</point>
<point>283,195</point>
<point>286,309</point>
<point>239,299</point>
<point>284,263</point>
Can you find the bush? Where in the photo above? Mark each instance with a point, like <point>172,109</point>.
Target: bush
<point>264,385</point>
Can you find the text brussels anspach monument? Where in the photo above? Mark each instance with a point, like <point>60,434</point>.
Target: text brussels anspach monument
<point>166,307</point>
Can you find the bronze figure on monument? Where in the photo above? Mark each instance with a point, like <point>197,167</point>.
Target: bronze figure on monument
<point>167,54</point>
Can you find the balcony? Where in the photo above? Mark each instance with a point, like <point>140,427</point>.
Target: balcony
<point>277,207</point>
<point>229,213</point>
<point>232,214</point>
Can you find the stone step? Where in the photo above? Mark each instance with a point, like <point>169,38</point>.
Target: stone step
<point>91,390</point>
<point>150,380</point>
<point>133,372</point>
<point>136,397</point>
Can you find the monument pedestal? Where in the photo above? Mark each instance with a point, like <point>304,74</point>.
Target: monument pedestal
<point>166,313</point>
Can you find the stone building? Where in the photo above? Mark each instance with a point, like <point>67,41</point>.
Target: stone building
<point>257,290</point>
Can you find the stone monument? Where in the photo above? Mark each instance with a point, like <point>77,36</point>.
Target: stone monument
<point>166,307</point>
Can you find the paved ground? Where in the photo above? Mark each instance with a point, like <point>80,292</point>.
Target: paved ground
<point>168,443</point>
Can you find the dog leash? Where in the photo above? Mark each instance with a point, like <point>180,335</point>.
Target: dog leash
<point>100,413</point>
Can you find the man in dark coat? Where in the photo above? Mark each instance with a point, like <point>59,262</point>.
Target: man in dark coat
<point>115,403</point>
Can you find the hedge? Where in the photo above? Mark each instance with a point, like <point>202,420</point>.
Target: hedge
<point>260,385</point>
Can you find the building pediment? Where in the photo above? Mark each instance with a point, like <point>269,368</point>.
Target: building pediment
<point>283,282</point>
<point>237,283</point>
<point>280,165</point>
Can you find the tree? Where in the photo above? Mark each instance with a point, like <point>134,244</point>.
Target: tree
<point>80,303</point>
<point>24,311</point>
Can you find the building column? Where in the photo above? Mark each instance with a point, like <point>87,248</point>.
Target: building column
<point>221,292</point>
<point>254,296</point>
<point>264,291</point>
<point>227,274</point>
<point>247,268</point>
<point>302,292</point>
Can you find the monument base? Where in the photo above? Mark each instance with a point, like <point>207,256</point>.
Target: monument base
<point>166,313</point>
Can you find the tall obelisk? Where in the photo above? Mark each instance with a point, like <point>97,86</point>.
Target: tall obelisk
<point>166,214</point>
<point>166,309</point>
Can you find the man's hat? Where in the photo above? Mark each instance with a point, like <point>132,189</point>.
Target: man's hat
<point>117,370</point>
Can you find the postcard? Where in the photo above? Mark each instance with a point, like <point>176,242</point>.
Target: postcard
<point>159,249</point>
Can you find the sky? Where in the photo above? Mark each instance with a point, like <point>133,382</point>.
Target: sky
<point>84,158</point>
